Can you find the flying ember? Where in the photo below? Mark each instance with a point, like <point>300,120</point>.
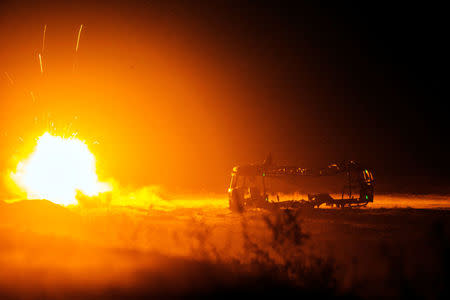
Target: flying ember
<point>57,169</point>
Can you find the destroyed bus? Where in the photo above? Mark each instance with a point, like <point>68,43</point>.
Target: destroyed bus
<point>344,184</point>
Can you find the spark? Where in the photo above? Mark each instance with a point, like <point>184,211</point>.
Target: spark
<point>40,63</point>
<point>67,129</point>
<point>32,97</point>
<point>78,40</point>
<point>9,78</point>
<point>43,38</point>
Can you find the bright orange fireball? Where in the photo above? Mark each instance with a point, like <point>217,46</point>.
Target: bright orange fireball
<point>57,169</point>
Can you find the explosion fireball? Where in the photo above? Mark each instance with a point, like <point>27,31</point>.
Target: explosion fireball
<point>57,169</point>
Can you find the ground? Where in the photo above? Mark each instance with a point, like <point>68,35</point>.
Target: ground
<point>397,247</point>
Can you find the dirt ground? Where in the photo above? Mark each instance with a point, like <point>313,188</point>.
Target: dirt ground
<point>399,246</point>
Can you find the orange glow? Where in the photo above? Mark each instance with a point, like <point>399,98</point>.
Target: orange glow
<point>57,169</point>
<point>124,91</point>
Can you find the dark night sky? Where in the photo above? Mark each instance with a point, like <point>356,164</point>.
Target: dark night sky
<point>377,72</point>
<point>320,82</point>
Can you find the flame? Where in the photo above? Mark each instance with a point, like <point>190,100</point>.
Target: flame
<point>57,169</point>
